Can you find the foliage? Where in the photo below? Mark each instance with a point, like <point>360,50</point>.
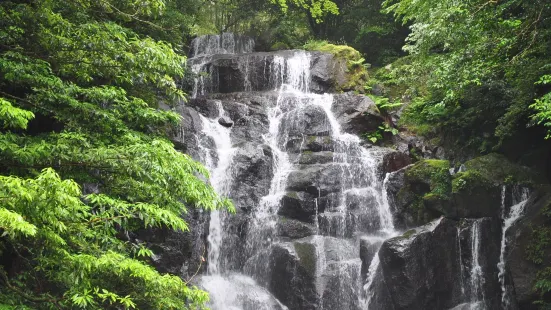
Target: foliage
<point>79,86</point>
<point>542,105</point>
<point>379,134</point>
<point>538,252</point>
<point>259,16</point>
<point>363,26</point>
<point>384,104</point>
<point>473,65</point>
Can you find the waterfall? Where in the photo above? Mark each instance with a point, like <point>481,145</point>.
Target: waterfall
<point>520,197</point>
<point>477,298</point>
<point>348,195</point>
<point>226,43</point>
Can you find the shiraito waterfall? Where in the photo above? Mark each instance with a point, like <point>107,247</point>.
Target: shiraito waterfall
<point>324,219</point>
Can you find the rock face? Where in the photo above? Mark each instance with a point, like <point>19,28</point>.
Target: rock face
<point>434,266</point>
<point>429,189</point>
<point>523,270</point>
<point>261,71</point>
<point>323,220</point>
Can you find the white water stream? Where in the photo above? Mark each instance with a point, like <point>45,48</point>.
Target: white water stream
<point>520,197</point>
<point>370,219</point>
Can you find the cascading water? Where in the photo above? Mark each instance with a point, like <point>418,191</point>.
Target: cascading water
<point>312,208</point>
<point>477,297</point>
<point>349,205</point>
<point>519,199</point>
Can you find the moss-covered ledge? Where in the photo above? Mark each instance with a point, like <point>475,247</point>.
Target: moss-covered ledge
<point>356,70</point>
<point>430,190</point>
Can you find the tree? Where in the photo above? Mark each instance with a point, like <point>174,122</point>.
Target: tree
<point>80,81</point>
<point>476,67</point>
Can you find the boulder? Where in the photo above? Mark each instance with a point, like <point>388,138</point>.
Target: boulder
<point>175,252</point>
<point>430,268</point>
<point>369,247</point>
<point>310,120</point>
<point>252,173</point>
<point>519,260</point>
<point>293,279</point>
<point>294,229</point>
<point>309,157</point>
<point>357,114</point>
<point>306,144</point>
<point>298,205</point>
<point>225,121</point>
<point>394,161</point>
<point>328,74</point>
<point>317,180</point>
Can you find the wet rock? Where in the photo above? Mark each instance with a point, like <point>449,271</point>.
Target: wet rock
<point>227,73</point>
<point>294,265</point>
<point>310,120</point>
<point>185,136</point>
<point>317,180</point>
<point>310,144</point>
<point>357,114</point>
<point>327,73</point>
<point>420,192</point>
<point>294,229</point>
<point>342,276</point>
<point>369,246</point>
<point>176,252</point>
<point>226,43</point>
<point>252,172</point>
<point>298,205</point>
<point>521,271</point>
<point>394,161</point>
<point>309,157</point>
<point>225,121</point>
<point>420,268</point>
<point>426,190</point>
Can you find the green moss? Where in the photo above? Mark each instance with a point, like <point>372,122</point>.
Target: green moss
<point>311,139</point>
<point>427,190</point>
<point>498,169</point>
<point>293,195</point>
<point>278,46</point>
<point>469,180</point>
<point>409,233</point>
<point>307,254</point>
<point>433,172</point>
<point>357,75</point>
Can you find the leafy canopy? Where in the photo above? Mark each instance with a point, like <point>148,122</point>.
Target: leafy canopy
<point>79,85</point>
<point>476,68</point>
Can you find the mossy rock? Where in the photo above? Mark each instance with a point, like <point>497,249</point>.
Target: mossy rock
<point>356,70</point>
<point>279,46</point>
<point>307,255</point>
<point>498,169</point>
<point>469,181</point>
<point>408,233</point>
<point>432,172</point>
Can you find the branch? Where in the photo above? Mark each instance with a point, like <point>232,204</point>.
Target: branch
<point>133,16</point>
<point>26,102</point>
<point>198,268</point>
<point>92,221</point>
<point>46,298</point>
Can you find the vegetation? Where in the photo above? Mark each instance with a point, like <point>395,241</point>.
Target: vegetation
<point>477,70</point>
<point>356,70</point>
<point>85,159</point>
<point>79,83</point>
<point>538,252</point>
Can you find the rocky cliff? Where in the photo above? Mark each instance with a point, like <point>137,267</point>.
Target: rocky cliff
<point>326,220</point>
